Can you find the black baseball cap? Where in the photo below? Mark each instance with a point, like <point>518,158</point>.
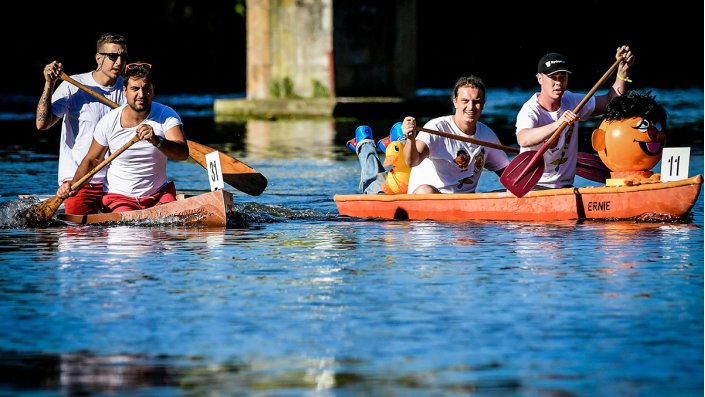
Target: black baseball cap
<point>553,63</point>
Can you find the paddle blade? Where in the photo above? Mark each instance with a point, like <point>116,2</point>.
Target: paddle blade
<point>41,212</point>
<point>235,173</point>
<point>252,183</point>
<point>592,160</point>
<point>591,167</point>
<point>517,178</point>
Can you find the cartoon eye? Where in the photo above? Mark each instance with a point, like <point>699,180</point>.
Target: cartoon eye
<point>396,148</point>
<point>643,125</point>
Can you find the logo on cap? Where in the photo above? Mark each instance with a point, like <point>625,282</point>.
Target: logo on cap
<point>553,63</point>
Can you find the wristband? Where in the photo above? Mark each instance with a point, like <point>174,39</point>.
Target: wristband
<point>625,79</point>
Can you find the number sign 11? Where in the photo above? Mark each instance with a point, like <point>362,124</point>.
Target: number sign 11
<point>674,163</point>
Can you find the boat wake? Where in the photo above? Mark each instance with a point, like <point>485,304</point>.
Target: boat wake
<point>13,214</point>
<point>252,212</point>
<point>247,214</point>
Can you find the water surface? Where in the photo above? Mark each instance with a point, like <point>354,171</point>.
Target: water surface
<point>300,301</point>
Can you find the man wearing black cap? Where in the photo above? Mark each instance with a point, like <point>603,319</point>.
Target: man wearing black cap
<point>546,110</point>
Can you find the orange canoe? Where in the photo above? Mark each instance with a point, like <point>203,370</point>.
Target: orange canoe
<point>208,209</point>
<point>655,201</point>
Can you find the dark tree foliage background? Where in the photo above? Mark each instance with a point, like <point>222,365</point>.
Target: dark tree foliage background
<point>199,46</point>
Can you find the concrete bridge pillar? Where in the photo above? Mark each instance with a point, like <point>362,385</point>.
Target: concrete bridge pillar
<point>293,68</point>
<point>290,49</point>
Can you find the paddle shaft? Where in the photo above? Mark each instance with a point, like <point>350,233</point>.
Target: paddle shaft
<point>469,140</point>
<point>88,90</point>
<point>588,166</point>
<point>554,137</point>
<point>103,163</point>
<point>235,172</point>
<point>43,211</point>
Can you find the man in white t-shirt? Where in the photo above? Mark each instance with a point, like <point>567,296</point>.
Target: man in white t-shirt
<point>136,179</point>
<point>546,110</point>
<point>80,112</point>
<point>444,165</point>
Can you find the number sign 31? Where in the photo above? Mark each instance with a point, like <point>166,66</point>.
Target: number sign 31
<point>215,173</point>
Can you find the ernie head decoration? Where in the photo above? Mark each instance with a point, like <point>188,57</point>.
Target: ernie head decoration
<point>631,137</point>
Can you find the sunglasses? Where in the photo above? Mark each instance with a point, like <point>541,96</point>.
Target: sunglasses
<point>138,65</point>
<point>113,56</point>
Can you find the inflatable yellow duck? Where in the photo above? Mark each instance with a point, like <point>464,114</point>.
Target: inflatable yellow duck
<point>398,176</point>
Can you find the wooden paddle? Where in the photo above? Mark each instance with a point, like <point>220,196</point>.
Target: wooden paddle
<point>524,172</point>
<point>589,166</point>
<point>235,173</point>
<point>469,140</point>
<point>42,212</point>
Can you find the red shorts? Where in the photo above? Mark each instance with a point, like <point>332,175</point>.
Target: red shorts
<point>115,202</point>
<point>88,200</point>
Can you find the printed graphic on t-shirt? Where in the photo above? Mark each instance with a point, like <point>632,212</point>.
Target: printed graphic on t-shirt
<point>480,161</point>
<point>562,160</point>
<point>462,158</point>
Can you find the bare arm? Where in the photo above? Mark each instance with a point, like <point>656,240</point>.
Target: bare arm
<point>414,151</point>
<point>620,81</point>
<point>45,119</point>
<point>174,146</point>
<point>533,136</point>
<point>95,155</point>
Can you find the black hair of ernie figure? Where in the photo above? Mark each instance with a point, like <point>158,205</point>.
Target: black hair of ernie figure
<point>636,104</point>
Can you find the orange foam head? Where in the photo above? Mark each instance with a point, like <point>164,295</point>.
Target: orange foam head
<point>632,135</point>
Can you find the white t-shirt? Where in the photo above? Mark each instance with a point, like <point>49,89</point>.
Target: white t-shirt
<point>454,166</point>
<point>140,171</point>
<point>560,161</point>
<point>80,112</point>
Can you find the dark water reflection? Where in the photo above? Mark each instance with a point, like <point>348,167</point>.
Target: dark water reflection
<point>299,301</point>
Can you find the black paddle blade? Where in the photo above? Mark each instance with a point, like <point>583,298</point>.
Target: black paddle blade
<point>517,178</point>
<point>235,173</point>
<point>251,183</point>
<point>591,167</point>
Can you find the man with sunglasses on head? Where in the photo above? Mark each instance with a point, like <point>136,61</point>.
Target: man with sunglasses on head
<point>80,112</point>
<point>136,179</point>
